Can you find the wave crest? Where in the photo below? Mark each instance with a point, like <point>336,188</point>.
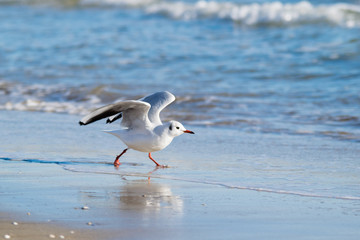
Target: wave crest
<point>273,13</point>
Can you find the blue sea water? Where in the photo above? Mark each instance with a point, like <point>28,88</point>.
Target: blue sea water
<point>259,69</point>
<point>289,67</point>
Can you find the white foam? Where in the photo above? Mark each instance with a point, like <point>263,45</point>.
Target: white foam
<point>347,15</point>
<point>124,3</point>
<point>43,106</point>
<point>46,98</point>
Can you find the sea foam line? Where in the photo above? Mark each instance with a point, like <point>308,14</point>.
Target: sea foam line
<point>226,185</point>
<point>272,13</point>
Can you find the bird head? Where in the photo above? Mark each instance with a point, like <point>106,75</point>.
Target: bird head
<point>176,129</point>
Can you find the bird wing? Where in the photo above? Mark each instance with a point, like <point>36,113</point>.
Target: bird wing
<point>158,102</point>
<point>114,118</point>
<point>135,113</point>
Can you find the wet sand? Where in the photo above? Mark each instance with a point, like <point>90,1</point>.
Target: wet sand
<point>11,228</point>
<point>133,208</point>
<point>54,182</point>
<point>34,208</point>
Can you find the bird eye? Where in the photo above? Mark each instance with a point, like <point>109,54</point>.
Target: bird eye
<point>170,128</point>
<point>177,127</point>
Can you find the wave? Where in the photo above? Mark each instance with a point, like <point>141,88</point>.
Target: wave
<point>81,99</point>
<point>216,109</point>
<point>272,13</point>
<point>46,98</point>
<point>255,14</point>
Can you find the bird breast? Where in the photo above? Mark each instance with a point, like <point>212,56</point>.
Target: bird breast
<point>147,141</point>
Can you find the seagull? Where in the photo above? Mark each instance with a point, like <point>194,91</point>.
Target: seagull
<point>142,127</point>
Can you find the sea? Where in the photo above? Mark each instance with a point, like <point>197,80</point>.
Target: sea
<point>268,70</point>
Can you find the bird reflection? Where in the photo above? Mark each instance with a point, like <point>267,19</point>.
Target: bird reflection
<point>149,197</point>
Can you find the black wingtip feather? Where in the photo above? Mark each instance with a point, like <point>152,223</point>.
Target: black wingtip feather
<point>81,123</point>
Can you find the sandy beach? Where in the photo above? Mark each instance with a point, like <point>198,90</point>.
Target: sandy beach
<point>30,229</point>
<point>65,186</point>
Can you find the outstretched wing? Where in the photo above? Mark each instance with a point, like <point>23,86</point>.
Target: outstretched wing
<point>135,113</point>
<point>158,102</point>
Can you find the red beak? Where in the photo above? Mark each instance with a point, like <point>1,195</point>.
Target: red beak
<point>188,131</point>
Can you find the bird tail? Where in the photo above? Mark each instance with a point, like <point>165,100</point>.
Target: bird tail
<point>116,133</point>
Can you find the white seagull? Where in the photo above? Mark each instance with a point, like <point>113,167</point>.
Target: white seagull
<point>143,130</point>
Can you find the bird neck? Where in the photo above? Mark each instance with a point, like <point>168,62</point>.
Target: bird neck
<point>162,130</point>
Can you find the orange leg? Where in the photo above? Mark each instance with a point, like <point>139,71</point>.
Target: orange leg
<point>158,165</point>
<point>117,162</point>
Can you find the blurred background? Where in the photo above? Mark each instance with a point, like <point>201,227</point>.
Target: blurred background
<point>279,67</point>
